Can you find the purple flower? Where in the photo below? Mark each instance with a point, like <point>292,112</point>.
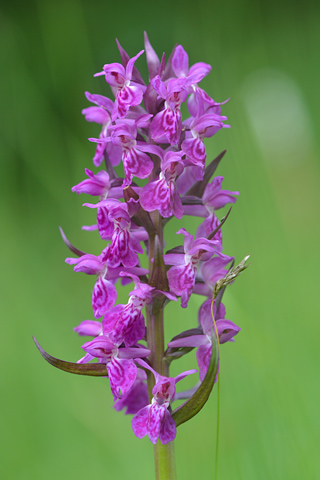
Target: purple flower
<point>127,93</point>
<point>102,115</point>
<point>126,322</point>
<point>180,65</point>
<point>168,122</point>
<point>155,420</point>
<point>114,222</point>
<point>200,127</point>
<point>182,275</point>
<point>226,331</point>
<point>122,370</point>
<point>98,185</point>
<point>135,161</point>
<point>162,194</point>
<point>104,293</point>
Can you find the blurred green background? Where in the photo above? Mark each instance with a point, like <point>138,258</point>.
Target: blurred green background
<point>265,56</point>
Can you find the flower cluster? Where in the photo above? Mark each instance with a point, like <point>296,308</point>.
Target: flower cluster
<point>165,175</point>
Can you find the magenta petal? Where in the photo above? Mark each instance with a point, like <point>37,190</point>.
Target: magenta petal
<point>180,62</point>
<point>200,68</point>
<point>131,63</point>
<point>111,319</point>
<point>135,331</point>
<point>121,250</point>
<point>168,429</point>
<point>99,347</point>
<point>122,374</point>
<point>181,278</point>
<point>192,341</point>
<point>100,100</point>
<point>105,226</point>
<point>195,150</point>
<point>226,330</point>
<point>203,359</point>
<point>89,327</point>
<point>89,264</point>
<point>156,418</point>
<point>159,86</point>
<point>96,114</point>
<point>98,156</point>
<point>136,163</point>
<point>114,153</point>
<point>104,296</point>
<point>177,207</point>
<point>140,422</point>
<point>136,398</point>
<point>129,96</point>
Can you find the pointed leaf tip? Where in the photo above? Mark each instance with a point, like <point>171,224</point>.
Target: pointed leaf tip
<point>71,247</point>
<point>199,187</point>
<point>91,369</point>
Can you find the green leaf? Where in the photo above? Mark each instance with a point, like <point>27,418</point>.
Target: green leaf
<point>191,407</point>
<point>92,369</point>
<point>199,187</point>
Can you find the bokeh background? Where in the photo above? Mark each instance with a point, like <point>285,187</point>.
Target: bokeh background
<point>265,56</point>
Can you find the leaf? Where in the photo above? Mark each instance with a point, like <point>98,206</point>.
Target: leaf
<point>191,407</point>
<point>212,234</point>
<point>92,369</point>
<point>73,249</point>
<point>199,187</point>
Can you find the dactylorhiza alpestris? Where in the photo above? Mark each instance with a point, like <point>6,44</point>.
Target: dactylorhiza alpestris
<point>142,127</point>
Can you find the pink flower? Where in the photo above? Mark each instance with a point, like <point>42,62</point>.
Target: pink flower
<point>155,420</point>
<point>182,275</point>
<point>168,122</point>
<point>127,93</point>
<point>122,371</point>
<point>162,194</point>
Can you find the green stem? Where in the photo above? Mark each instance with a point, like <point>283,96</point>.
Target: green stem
<point>164,461</point>
<point>163,454</point>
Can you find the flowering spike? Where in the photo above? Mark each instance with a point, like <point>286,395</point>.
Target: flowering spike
<point>143,128</point>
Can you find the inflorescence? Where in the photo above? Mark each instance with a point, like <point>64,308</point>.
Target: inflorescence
<point>153,143</point>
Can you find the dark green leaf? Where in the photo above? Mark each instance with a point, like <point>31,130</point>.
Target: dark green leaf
<point>92,369</point>
<point>199,187</point>
<point>193,406</point>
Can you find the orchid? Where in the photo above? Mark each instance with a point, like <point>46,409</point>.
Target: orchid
<point>164,177</point>
<point>128,93</point>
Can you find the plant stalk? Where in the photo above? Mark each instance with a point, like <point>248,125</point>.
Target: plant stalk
<point>164,457</point>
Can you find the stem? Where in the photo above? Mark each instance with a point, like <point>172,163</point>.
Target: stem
<point>163,454</point>
<point>164,459</point>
